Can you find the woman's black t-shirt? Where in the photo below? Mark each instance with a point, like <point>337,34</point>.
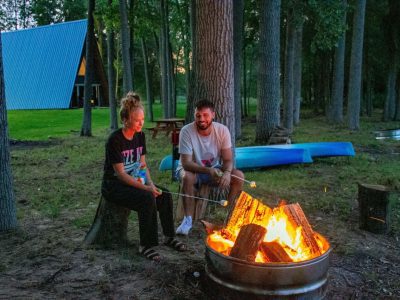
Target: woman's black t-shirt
<point>121,150</point>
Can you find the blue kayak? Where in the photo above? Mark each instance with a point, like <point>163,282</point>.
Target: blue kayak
<point>319,149</point>
<point>254,157</point>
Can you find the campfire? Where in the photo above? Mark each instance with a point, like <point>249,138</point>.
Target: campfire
<point>256,233</point>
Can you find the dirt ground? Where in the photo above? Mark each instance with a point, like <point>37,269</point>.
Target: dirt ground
<point>45,259</point>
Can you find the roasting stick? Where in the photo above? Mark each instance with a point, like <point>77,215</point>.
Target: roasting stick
<point>221,202</point>
<point>251,183</point>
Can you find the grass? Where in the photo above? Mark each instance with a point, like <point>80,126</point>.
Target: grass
<point>65,176</point>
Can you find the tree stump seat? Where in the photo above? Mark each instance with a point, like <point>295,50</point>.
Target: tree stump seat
<point>110,225</point>
<point>375,203</point>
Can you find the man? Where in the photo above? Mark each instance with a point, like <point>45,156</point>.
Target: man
<point>206,157</point>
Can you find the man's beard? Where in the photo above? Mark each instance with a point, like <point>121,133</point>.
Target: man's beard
<point>204,126</point>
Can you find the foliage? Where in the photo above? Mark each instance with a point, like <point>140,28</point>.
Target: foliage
<point>326,19</point>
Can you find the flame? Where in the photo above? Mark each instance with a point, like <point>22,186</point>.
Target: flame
<point>279,229</point>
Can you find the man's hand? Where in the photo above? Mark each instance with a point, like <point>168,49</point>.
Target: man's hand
<point>225,180</point>
<point>216,174</point>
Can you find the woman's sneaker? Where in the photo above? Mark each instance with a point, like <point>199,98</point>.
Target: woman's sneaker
<point>185,226</point>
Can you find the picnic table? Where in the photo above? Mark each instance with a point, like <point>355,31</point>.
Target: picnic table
<point>167,125</point>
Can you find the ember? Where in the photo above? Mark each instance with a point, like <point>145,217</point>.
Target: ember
<point>258,233</point>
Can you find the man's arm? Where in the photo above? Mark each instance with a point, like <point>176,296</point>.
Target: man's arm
<point>189,165</point>
<point>227,167</point>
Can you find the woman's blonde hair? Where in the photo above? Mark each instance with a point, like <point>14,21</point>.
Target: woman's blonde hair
<point>129,103</point>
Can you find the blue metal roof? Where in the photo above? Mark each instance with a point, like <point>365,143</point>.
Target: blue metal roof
<point>41,64</point>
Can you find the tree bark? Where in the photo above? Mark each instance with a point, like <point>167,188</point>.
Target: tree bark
<point>354,101</point>
<point>86,129</point>
<point>297,73</point>
<point>336,109</point>
<point>268,88</point>
<point>110,225</point>
<point>190,101</point>
<point>391,112</point>
<point>8,218</point>
<point>126,61</point>
<point>288,77</point>
<point>165,62</point>
<point>238,11</point>
<point>149,91</point>
<point>111,77</point>
<point>214,39</point>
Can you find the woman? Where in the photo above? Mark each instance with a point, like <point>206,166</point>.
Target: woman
<point>127,181</point>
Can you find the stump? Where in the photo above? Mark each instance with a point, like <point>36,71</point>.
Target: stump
<point>110,225</point>
<point>279,135</point>
<point>375,206</point>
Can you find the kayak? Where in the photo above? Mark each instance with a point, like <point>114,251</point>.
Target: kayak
<point>320,149</point>
<point>387,134</point>
<point>254,157</point>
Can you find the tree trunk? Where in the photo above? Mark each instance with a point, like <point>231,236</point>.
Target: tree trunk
<point>244,107</point>
<point>215,80</point>
<point>297,73</point>
<point>132,41</point>
<point>149,91</point>
<point>86,129</point>
<point>8,218</point>
<point>397,104</point>
<point>336,108</point>
<point>288,79</point>
<point>190,101</point>
<point>393,41</point>
<point>165,62</point>
<point>126,60</point>
<point>353,105</point>
<point>390,93</point>
<point>238,11</point>
<point>268,88</point>
<point>111,77</point>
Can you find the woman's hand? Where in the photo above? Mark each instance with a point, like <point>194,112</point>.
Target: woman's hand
<point>152,188</point>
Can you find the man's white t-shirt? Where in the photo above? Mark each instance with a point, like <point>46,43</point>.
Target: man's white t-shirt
<point>206,150</point>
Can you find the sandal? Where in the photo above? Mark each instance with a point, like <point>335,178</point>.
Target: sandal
<point>175,244</point>
<point>151,254</point>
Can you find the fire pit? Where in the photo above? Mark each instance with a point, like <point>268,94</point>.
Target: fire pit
<point>268,253</point>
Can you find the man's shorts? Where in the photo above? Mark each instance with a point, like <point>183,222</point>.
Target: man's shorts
<point>202,178</point>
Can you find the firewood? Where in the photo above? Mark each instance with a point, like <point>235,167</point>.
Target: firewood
<point>297,218</point>
<point>245,211</point>
<point>248,242</point>
<point>274,252</point>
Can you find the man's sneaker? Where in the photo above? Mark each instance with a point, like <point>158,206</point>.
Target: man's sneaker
<point>185,226</point>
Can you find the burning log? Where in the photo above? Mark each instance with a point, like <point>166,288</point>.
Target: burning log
<point>274,252</point>
<point>297,218</point>
<point>248,242</point>
<point>247,210</point>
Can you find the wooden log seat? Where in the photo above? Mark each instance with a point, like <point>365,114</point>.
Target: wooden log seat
<point>110,225</point>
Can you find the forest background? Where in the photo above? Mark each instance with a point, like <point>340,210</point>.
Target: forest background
<point>326,70</point>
